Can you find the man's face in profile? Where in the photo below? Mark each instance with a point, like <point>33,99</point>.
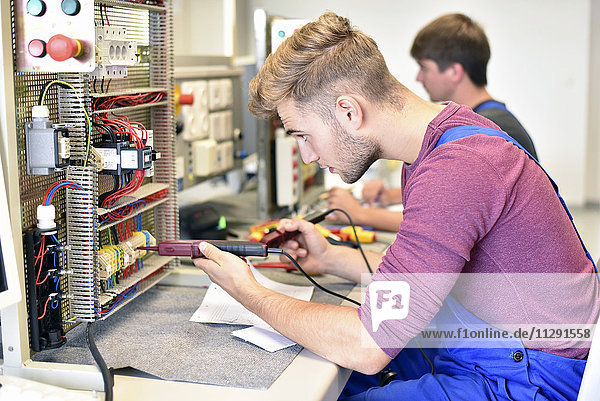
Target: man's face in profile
<point>438,84</point>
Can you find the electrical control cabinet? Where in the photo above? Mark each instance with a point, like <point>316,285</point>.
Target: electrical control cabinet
<point>287,174</point>
<point>91,106</point>
<point>208,141</point>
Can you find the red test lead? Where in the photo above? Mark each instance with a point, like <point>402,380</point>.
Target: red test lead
<point>276,238</point>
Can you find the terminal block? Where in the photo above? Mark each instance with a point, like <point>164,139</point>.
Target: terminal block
<point>113,258</point>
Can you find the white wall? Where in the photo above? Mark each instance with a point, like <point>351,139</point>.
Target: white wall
<point>593,149</point>
<point>203,27</point>
<point>539,65</point>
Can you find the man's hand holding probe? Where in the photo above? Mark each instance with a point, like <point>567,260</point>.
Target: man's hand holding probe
<point>331,331</point>
<point>315,255</point>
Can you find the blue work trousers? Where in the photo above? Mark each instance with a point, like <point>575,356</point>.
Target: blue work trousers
<point>511,372</point>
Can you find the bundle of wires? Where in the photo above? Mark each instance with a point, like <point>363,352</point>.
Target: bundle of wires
<point>131,186</point>
<point>122,212</point>
<point>110,102</point>
<point>126,211</point>
<point>39,261</point>
<point>43,249</point>
<point>120,129</point>
<point>130,293</point>
<point>49,194</point>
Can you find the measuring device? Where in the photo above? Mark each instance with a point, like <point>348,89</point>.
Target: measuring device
<point>190,248</point>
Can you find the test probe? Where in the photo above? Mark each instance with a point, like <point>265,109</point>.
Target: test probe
<point>190,248</point>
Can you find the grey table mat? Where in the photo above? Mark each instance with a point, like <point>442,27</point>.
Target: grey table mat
<point>153,335</point>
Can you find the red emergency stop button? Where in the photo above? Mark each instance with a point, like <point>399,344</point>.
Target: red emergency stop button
<point>61,47</point>
<point>186,98</point>
<point>37,48</point>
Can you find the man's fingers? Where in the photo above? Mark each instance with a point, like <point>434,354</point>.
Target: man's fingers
<point>301,252</point>
<point>291,244</point>
<point>211,252</point>
<point>284,258</point>
<point>206,265</point>
<point>287,225</point>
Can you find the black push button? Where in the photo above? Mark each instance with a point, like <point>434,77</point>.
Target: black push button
<point>518,356</point>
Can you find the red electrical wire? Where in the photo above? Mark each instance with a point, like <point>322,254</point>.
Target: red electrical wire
<point>106,13</point>
<point>66,183</point>
<point>40,259</point>
<point>45,309</point>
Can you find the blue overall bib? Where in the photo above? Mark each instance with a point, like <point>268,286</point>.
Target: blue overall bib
<point>509,372</point>
<point>489,105</point>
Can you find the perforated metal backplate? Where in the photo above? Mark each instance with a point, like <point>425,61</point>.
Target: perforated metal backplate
<point>151,28</point>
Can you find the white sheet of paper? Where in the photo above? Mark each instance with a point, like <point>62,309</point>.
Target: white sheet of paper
<point>266,339</point>
<point>219,307</point>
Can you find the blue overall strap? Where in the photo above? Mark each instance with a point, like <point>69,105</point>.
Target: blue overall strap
<point>467,130</point>
<point>490,104</point>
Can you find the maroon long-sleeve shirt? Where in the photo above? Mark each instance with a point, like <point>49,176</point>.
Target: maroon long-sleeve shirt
<point>481,205</point>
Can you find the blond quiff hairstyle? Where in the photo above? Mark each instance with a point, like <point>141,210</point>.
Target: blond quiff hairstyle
<point>319,62</point>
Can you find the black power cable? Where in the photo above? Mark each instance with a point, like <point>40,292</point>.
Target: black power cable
<point>281,251</point>
<point>355,236</point>
<point>106,374</point>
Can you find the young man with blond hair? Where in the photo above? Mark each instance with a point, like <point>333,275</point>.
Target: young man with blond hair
<point>463,206</point>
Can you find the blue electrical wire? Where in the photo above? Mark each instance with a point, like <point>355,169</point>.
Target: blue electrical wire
<point>55,303</point>
<point>126,295</point>
<point>71,185</point>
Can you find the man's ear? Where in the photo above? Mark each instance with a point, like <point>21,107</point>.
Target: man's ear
<point>349,112</point>
<point>456,72</point>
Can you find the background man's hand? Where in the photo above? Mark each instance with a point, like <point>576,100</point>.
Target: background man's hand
<point>372,191</point>
<point>375,191</point>
<point>342,198</point>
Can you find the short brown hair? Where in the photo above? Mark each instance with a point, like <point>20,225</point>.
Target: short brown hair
<point>318,63</point>
<point>454,38</point>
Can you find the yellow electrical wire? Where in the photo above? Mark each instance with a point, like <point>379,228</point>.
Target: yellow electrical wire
<point>109,237</point>
<point>87,117</point>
